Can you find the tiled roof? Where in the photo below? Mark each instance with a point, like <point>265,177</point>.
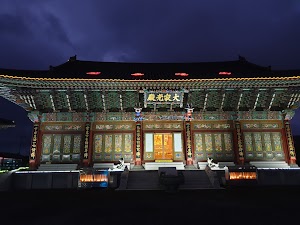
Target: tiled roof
<point>152,71</point>
<point>6,123</point>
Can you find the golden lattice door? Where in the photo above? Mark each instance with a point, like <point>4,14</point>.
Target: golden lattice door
<point>163,146</point>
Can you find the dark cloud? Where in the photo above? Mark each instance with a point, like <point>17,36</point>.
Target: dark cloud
<point>265,32</point>
<point>35,34</point>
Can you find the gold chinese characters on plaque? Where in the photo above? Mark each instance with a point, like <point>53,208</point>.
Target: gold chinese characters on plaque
<point>163,97</point>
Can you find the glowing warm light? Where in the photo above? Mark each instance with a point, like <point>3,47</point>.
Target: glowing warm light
<point>93,178</point>
<point>242,175</point>
<point>137,74</point>
<point>181,74</point>
<point>224,73</point>
<point>93,73</point>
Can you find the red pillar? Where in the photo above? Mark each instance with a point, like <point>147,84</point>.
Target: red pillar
<point>86,145</point>
<point>238,140</point>
<point>35,148</point>
<point>138,143</point>
<point>188,145</point>
<point>290,142</point>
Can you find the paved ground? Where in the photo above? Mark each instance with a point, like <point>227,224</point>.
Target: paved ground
<point>239,206</point>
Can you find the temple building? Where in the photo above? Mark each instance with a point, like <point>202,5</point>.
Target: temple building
<point>89,113</point>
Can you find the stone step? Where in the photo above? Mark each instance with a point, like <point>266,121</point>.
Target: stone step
<point>57,167</point>
<point>270,164</point>
<point>143,180</point>
<point>157,165</point>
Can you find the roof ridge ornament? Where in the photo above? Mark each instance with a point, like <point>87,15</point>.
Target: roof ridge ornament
<point>73,58</point>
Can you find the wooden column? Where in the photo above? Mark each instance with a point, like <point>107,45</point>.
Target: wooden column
<point>188,143</point>
<point>138,137</point>
<point>239,149</point>
<point>86,148</point>
<point>35,149</point>
<point>290,142</point>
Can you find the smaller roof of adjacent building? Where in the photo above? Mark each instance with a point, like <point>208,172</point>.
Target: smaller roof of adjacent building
<point>74,68</point>
<point>4,123</point>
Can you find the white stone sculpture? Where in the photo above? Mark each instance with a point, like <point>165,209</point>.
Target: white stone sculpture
<point>120,166</point>
<point>211,164</point>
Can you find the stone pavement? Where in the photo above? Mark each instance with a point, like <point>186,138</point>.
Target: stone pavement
<point>219,206</point>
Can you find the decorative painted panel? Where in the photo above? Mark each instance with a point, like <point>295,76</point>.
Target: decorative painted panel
<point>56,144</point>
<point>248,142</point>
<point>64,147</point>
<point>208,142</point>
<point>228,142</point>
<point>277,141</point>
<point>267,141</point>
<point>47,143</point>
<point>219,146</point>
<point>73,127</point>
<point>257,141</point>
<point>109,147</point>
<point>98,143</point>
<point>128,126</point>
<point>67,143</point>
<point>108,143</point>
<point>263,146</point>
<point>54,127</point>
<point>118,143</point>
<point>198,142</point>
<point>260,125</point>
<point>211,126</point>
<point>104,127</point>
<point>77,143</point>
<point>123,126</point>
<point>218,142</point>
<point>128,143</point>
<point>172,126</point>
<point>269,125</point>
<point>259,115</point>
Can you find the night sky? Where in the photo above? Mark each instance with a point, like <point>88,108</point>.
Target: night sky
<point>35,34</point>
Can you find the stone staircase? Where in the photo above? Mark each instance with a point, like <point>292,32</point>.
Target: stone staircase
<point>270,164</point>
<point>195,179</point>
<point>149,180</point>
<point>57,167</point>
<point>143,180</point>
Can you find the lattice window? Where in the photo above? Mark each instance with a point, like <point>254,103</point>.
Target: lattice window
<point>218,146</point>
<point>263,146</point>
<point>112,147</point>
<point>61,147</point>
